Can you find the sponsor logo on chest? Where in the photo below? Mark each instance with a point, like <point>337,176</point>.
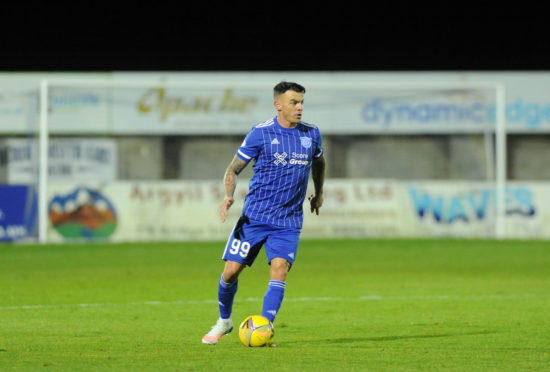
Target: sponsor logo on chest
<point>295,158</point>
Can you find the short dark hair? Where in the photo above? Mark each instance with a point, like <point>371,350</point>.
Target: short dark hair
<point>283,86</point>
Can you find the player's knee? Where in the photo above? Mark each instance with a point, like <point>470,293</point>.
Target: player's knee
<point>279,270</point>
<point>278,275</point>
<point>231,276</point>
<point>231,271</point>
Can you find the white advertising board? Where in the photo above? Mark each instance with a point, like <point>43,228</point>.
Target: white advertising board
<point>74,111</point>
<point>337,108</point>
<point>230,108</point>
<point>83,159</point>
<point>171,210</point>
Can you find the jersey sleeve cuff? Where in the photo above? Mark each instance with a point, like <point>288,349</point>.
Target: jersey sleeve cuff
<point>243,156</point>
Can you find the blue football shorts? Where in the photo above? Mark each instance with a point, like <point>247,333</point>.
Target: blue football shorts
<point>248,237</point>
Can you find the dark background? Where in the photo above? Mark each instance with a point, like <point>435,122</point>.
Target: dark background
<point>95,36</point>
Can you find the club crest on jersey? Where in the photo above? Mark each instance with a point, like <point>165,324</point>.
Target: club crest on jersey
<point>306,142</point>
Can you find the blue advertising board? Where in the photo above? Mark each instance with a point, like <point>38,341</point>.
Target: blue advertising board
<point>18,212</point>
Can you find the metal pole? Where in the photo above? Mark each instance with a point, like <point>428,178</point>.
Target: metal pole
<point>500,190</point>
<point>43,164</point>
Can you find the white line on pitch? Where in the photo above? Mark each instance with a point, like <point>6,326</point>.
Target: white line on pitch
<point>296,299</point>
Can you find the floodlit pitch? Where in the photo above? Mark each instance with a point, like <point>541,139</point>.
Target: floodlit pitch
<point>352,305</point>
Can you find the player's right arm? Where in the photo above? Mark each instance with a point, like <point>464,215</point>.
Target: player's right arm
<point>230,183</point>
<point>248,150</point>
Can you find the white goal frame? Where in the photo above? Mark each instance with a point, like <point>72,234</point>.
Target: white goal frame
<point>500,129</point>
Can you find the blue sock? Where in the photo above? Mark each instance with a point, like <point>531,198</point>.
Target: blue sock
<point>226,294</point>
<point>273,299</point>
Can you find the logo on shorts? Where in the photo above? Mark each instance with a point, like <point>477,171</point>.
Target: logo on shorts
<point>280,158</point>
<point>306,142</point>
<point>291,255</point>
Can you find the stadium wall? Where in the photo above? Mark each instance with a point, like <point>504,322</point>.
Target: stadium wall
<point>170,144</point>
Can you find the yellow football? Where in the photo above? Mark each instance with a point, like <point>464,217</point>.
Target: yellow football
<point>256,331</point>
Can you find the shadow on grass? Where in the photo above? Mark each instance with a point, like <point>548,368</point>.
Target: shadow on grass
<point>343,340</point>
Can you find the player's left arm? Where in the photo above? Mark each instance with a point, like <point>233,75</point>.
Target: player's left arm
<point>318,175</point>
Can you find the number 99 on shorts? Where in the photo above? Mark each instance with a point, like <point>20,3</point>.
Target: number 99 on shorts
<point>240,248</point>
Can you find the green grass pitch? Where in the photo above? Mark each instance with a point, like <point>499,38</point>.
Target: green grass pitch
<point>350,305</point>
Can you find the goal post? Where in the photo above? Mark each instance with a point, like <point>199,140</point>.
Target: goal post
<point>328,89</point>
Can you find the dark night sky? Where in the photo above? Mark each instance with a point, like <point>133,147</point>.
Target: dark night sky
<point>207,37</point>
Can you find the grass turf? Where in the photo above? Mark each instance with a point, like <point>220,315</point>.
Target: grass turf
<point>350,305</point>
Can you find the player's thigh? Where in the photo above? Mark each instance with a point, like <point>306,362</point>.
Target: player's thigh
<point>245,242</point>
<point>283,243</point>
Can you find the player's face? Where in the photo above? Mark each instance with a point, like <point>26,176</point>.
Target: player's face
<point>290,105</point>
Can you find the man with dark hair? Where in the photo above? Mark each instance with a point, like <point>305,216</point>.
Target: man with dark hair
<point>284,150</point>
<point>283,86</point>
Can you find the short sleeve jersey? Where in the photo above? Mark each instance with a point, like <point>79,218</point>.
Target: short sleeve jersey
<point>283,158</point>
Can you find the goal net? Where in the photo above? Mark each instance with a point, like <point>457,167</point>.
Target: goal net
<point>144,160</point>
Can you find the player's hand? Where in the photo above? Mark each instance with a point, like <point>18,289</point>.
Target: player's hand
<point>315,202</point>
<point>224,208</point>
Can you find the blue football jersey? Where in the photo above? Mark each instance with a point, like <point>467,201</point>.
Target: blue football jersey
<point>283,158</point>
